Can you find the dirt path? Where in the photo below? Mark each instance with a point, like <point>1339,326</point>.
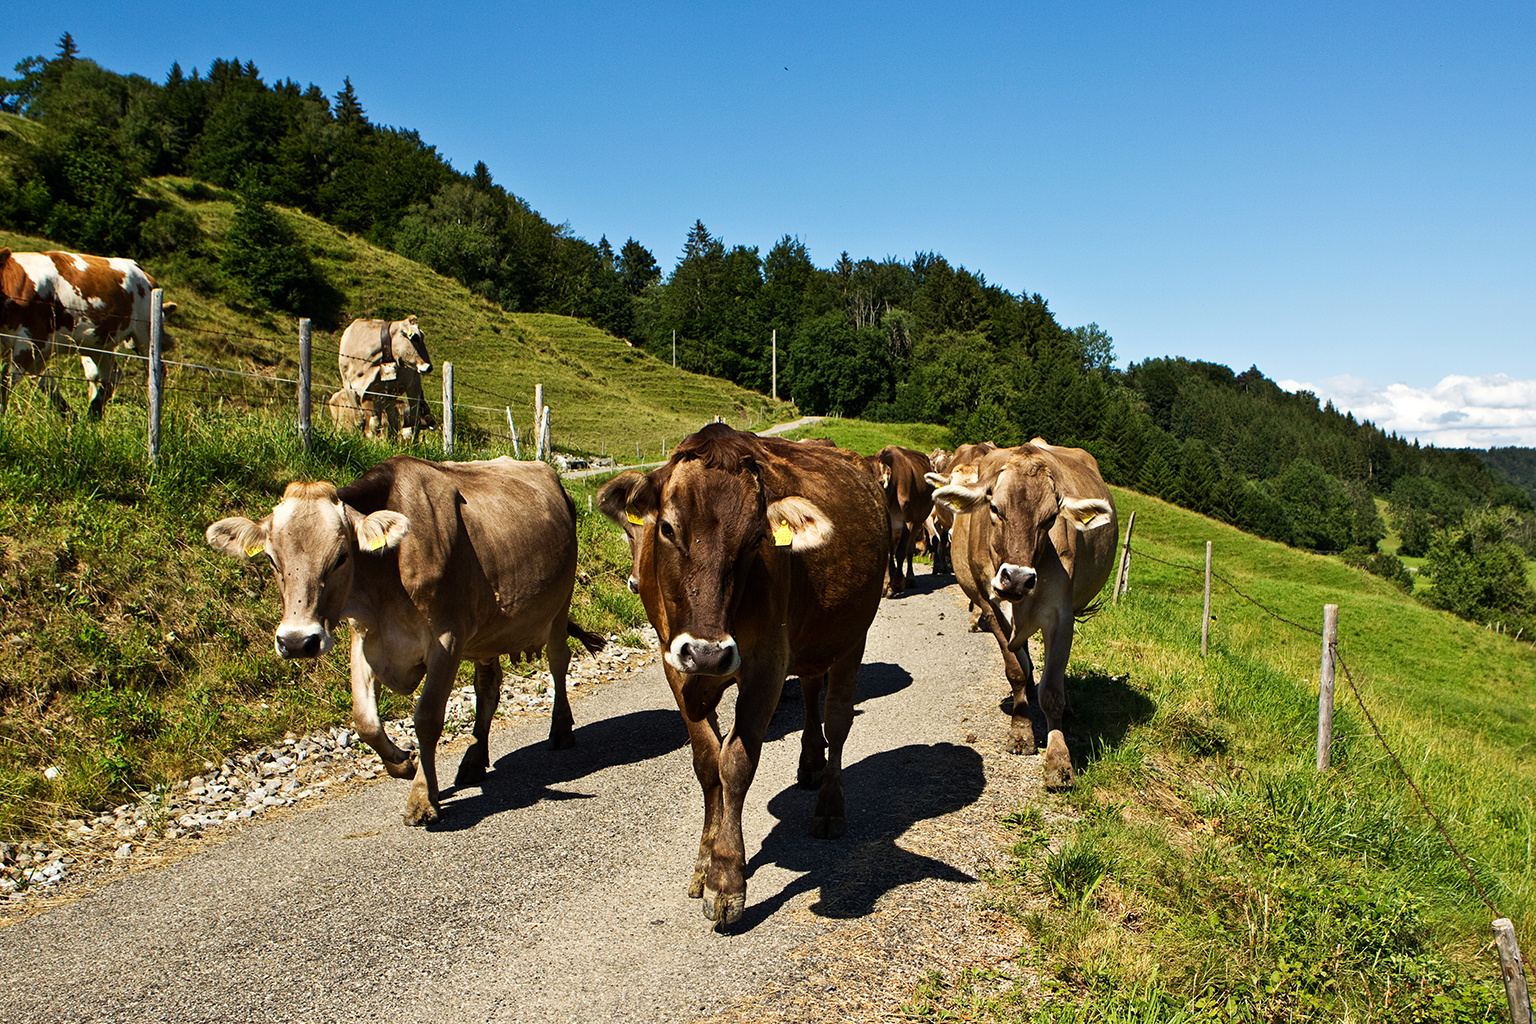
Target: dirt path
<point>559,886</point>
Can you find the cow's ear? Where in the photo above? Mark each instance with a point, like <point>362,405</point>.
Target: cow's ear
<point>628,497</point>
<point>382,530</point>
<point>1087,513</point>
<point>936,479</point>
<point>960,497</point>
<point>798,524</point>
<point>238,537</point>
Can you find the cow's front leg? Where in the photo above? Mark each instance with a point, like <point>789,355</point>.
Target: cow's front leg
<point>1057,763</point>
<point>477,759</point>
<point>725,883</point>
<point>431,706</point>
<point>1021,679</point>
<point>699,718</point>
<point>365,712</point>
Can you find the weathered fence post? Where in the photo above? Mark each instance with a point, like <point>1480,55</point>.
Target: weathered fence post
<point>156,380</point>
<point>1205,620</point>
<point>304,381</point>
<point>1514,972</point>
<point>1325,688</point>
<point>513,428</point>
<point>447,408</point>
<point>546,440</point>
<point>775,364</point>
<point>1123,577</point>
<point>538,421</point>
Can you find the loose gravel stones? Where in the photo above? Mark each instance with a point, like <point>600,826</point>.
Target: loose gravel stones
<point>246,784</point>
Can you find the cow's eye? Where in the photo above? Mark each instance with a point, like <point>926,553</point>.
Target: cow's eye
<point>995,510</point>
<point>666,529</point>
<point>341,560</point>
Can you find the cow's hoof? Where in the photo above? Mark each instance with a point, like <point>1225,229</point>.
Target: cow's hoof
<point>561,741</point>
<point>1057,762</point>
<point>724,909</point>
<point>696,886</point>
<point>828,826</point>
<point>401,769</point>
<point>1019,743</point>
<point>419,812</point>
<point>809,776</point>
<point>472,770</point>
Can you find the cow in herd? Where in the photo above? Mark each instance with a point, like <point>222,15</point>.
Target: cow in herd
<point>432,564</point>
<point>382,363</point>
<point>59,302</point>
<point>755,559</point>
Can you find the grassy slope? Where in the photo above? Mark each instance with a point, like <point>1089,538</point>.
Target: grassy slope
<point>1203,870</point>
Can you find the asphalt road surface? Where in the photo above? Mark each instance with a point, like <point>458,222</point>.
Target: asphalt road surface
<point>557,890</point>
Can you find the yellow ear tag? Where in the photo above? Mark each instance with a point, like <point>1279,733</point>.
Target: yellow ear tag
<point>376,543</point>
<point>630,515</point>
<point>254,550</point>
<point>783,535</point>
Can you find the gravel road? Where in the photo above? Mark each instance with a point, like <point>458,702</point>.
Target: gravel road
<point>559,887</point>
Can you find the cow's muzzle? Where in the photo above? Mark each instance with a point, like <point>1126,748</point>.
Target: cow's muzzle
<point>1013,582</point>
<point>292,644</point>
<point>704,657</point>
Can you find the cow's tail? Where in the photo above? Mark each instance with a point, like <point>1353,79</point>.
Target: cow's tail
<point>1089,612</point>
<point>591,641</point>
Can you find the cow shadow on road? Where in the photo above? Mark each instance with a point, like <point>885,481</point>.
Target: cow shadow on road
<point>887,793</point>
<point>530,773</point>
<point>876,679</point>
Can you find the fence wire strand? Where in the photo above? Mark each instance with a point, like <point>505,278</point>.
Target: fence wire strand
<point>1359,699</point>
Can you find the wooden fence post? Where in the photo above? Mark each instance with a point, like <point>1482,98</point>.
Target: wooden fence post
<point>1123,577</point>
<point>1514,972</point>
<point>513,428</point>
<point>304,382</point>
<point>1205,621</point>
<point>538,422</point>
<point>447,408</point>
<point>156,379</point>
<point>546,442</point>
<point>1325,688</point>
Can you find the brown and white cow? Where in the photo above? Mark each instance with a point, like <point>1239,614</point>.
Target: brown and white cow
<point>909,500</point>
<point>755,558</point>
<point>381,360</point>
<point>1034,542</point>
<point>54,302</point>
<point>432,564</point>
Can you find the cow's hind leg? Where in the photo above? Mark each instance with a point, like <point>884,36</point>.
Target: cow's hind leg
<point>477,759</point>
<point>813,744</point>
<point>829,821</point>
<point>1057,766</point>
<point>561,721</point>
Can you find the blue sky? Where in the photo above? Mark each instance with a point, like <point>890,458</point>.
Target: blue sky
<point>1343,195</point>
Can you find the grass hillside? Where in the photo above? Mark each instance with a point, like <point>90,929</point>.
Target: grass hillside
<point>604,395</point>
<point>1203,870</point>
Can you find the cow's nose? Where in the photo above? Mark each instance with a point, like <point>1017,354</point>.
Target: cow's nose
<point>308,645</point>
<point>634,585</point>
<point>1014,581</point>
<point>424,368</point>
<point>704,657</point>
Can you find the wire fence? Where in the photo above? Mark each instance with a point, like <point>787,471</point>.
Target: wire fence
<point>1381,738</point>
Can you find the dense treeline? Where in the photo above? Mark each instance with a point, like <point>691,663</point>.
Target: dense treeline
<point>891,339</point>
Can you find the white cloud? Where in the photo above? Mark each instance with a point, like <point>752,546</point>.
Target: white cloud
<point>1458,412</point>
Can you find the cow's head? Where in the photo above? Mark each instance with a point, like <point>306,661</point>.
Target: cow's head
<point>1022,501</point>
<point>699,529</point>
<point>313,541</point>
<point>409,345</point>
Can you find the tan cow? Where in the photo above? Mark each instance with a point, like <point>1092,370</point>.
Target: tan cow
<point>432,564</point>
<point>755,558</point>
<point>345,412</point>
<point>381,360</point>
<point>1034,542</point>
<point>97,307</point>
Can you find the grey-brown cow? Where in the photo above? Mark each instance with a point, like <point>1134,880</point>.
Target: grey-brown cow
<point>1034,542</point>
<point>432,564</point>
<point>381,360</point>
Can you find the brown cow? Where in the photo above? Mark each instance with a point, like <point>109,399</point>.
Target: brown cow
<point>909,500</point>
<point>1034,543</point>
<point>432,564</point>
<point>755,558</point>
<point>61,301</point>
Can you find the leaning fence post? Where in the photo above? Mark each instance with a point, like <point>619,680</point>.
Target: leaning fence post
<point>1123,577</point>
<point>447,408</point>
<point>1205,621</point>
<point>546,444</point>
<point>513,427</point>
<point>1325,688</point>
<point>156,378</point>
<point>1514,972</point>
<point>304,381</point>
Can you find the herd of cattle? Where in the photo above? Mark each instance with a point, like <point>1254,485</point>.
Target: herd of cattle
<point>756,558</point>
<point>98,307</point>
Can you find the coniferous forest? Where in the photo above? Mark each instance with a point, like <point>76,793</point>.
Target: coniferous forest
<point>902,340</point>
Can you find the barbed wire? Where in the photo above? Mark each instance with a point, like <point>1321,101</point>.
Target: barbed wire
<point>1381,738</point>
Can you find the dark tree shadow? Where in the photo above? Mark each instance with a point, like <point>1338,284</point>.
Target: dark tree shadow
<point>1100,711</point>
<point>887,794</point>
<point>529,774</point>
